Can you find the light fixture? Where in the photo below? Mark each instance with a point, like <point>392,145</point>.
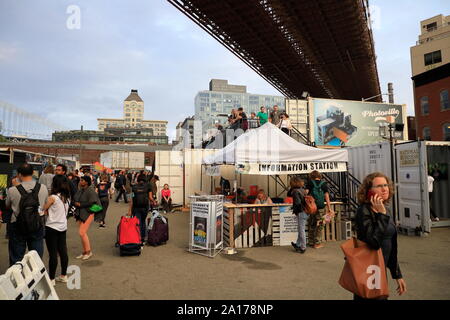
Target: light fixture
<point>305,94</point>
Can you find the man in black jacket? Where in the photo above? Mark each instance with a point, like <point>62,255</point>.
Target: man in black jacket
<point>120,186</point>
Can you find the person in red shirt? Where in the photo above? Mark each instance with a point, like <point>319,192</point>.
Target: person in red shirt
<point>166,199</point>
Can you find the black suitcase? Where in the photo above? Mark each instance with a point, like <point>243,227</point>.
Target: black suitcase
<point>159,234</point>
<point>131,249</point>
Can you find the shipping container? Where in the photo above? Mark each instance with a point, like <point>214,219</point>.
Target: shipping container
<point>416,160</point>
<point>123,160</point>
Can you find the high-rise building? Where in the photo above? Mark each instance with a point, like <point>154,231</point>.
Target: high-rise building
<point>133,117</point>
<point>212,106</point>
<point>430,64</point>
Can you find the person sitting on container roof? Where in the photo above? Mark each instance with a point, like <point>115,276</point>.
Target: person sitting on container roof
<point>262,198</point>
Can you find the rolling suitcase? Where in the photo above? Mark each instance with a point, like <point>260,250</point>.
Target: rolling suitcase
<point>129,236</point>
<point>158,230</point>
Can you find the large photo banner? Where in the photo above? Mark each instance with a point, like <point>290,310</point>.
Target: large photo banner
<point>353,123</point>
<point>290,168</point>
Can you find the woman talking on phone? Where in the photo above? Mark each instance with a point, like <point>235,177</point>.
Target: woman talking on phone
<point>375,225</point>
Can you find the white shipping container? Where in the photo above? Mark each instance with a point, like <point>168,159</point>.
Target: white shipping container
<point>366,159</point>
<point>123,160</point>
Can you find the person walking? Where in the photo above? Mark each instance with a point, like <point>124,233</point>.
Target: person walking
<point>113,183</point>
<point>84,199</point>
<point>375,225</point>
<point>139,205</point>
<point>103,190</point>
<point>46,178</point>
<point>262,116</point>
<point>430,198</point>
<point>21,234</point>
<point>166,200</point>
<point>318,189</point>
<point>120,187</point>
<point>56,209</point>
<point>298,193</point>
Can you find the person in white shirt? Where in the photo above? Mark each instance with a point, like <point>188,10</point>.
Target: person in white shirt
<point>430,197</point>
<point>56,210</point>
<point>285,123</point>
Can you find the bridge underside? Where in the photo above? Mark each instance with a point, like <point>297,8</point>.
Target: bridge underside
<point>324,47</point>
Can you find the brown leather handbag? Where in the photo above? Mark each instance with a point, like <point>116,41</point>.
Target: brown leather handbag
<point>364,272</point>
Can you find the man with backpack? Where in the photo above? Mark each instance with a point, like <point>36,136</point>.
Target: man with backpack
<point>318,189</point>
<point>26,228</point>
<point>139,204</point>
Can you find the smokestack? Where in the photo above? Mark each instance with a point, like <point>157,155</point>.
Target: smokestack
<point>391,92</point>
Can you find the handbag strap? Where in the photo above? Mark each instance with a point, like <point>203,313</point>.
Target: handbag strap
<point>355,242</point>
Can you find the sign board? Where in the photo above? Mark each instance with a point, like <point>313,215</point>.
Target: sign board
<point>353,123</point>
<point>290,168</point>
<point>288,226</point>
<point>200,225</point>
<point>409,158</point>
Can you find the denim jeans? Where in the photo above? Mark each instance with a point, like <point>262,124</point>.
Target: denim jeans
<point>301,239</point>
<point>141,214</point>
<point>18,243</point>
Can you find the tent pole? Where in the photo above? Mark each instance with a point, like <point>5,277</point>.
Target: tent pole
<point>201,178</point>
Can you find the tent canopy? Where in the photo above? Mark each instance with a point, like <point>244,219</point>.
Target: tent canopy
<point>271,149</point>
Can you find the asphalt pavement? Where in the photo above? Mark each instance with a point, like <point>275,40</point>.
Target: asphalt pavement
<point>270,273</point>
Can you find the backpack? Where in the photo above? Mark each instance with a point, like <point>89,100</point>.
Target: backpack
<point>140,198</point>
<point>28,219</point>
<point>310,206</point>
<point>318,194</point>
<point>158,229</point>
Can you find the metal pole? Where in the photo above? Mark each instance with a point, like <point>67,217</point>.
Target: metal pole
<point>391,143</point>
<point>391,92</point>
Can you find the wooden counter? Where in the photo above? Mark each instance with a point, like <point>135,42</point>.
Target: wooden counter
<point>255,225</point>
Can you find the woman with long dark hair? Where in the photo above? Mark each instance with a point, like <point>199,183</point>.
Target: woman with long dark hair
<point>56,209</point>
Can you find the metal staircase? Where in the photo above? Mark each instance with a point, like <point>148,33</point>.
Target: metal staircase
<point>343,186</point>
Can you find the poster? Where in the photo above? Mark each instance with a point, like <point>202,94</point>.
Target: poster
<point>353,123</point>
<point>3,184</point>
<point>288,226</point>
<point>200,213</point>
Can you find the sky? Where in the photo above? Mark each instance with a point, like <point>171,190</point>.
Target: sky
<point>72,76</point>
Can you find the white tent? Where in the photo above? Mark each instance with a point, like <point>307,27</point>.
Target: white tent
<point>268,150</point>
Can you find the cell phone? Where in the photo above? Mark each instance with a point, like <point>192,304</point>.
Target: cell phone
<point>370,194</point>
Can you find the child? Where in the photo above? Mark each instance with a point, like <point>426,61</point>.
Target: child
<point>166,200</point>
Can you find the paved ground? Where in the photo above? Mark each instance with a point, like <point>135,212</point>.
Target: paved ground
<point>170,272</point>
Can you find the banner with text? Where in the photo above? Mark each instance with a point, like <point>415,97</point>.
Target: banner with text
<point>290,168</point>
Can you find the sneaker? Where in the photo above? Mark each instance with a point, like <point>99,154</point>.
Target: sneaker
<point>102,226</point>
<point>86,256</point>
<point>62,279</point>
<point>294,245</point>
<point>80,256</point>
<point>302,251</point>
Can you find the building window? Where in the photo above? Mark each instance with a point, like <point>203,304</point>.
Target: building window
<point>424,105</point>
<point>431,27</point>
<point>426,133</point>
<point>446,132</point>
<point>433,57</point>
<point>444,100</point>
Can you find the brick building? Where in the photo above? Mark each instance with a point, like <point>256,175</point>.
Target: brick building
<point>430,64</point>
